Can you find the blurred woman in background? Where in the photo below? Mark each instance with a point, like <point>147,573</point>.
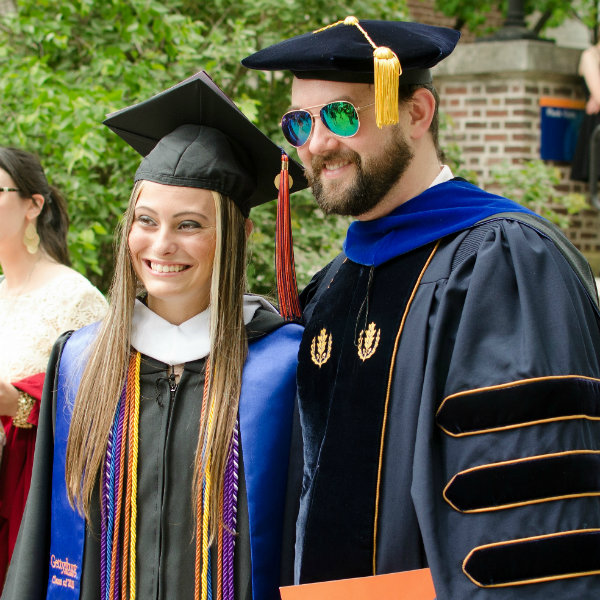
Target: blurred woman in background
<point>40,297</point>
<point>589,69</point>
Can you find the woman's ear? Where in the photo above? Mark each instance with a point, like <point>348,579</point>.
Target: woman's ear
<point>37,204</point>
<point>422,109</point>
<point>249,227</point>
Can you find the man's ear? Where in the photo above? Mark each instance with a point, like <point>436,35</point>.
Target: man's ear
<point>421,111</point>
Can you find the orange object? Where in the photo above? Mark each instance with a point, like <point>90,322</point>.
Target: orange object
<point>562,102</point>
<point>407,585</point>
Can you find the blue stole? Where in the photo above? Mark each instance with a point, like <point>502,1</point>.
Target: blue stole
<point>265,415</point>
<point>440,210</point>
<point>67,526</point>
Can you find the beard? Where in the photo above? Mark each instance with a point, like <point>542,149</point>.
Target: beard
<point>374,178</point>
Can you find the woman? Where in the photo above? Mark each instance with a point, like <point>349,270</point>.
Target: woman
<point>178,445</point>
<point>40,297</point>
<point>589,69</point>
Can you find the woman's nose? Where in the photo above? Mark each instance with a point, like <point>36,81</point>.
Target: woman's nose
<point>165,241</point>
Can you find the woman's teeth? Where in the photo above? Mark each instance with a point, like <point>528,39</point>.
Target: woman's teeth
<point>166,268</point>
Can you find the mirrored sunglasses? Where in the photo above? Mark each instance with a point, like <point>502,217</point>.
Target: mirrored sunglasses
<point>340,117</point>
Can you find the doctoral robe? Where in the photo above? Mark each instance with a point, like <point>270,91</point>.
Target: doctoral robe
<point>473,446</point>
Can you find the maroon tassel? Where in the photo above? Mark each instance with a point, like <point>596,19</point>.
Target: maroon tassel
<point>287,287</point>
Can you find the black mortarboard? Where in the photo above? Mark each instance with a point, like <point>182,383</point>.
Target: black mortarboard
<point>380,52</point>
<point>193,135</point>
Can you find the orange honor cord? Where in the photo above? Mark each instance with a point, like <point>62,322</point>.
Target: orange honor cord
<point>133,476</point>
<point>287,287</point>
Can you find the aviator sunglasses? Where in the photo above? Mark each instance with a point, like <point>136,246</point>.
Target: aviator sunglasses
<point>340,117</point>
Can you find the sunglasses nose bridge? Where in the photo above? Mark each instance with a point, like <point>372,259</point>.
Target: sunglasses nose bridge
<point>321,137</point>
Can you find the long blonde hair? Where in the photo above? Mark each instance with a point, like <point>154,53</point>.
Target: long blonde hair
<point>104,374</point>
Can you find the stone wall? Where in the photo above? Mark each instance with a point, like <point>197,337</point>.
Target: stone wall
<point>491,91</point>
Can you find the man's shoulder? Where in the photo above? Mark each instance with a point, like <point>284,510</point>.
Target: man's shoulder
<point>520,235</point>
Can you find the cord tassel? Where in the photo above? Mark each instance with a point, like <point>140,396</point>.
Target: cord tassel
<point>387,71</point>
<point>287,286</point>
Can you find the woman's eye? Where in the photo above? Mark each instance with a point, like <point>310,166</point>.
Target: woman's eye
<point>190,225</point>
<point>145,220</point>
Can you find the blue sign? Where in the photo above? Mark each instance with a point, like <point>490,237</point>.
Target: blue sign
<point>559,128</point>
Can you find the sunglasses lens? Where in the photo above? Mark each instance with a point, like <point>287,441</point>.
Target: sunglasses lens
<point>296,126</point>
<point>340,118</point>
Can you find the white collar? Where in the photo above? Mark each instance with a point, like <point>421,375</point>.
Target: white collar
<point>444,175</point>
<point>176,344</point>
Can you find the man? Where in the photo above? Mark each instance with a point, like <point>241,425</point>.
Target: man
<point>449,381</point>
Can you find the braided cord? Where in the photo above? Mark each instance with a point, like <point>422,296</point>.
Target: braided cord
<point>104,513</point>
<point>230,488</point>
<point>220,557</point>
<point>127,520</point>
<point>119,464</point>
<point>205,514</point>
<point>349,21</point>
<point>133,475</point>
<point>111,503</point>
<point>200,498</point>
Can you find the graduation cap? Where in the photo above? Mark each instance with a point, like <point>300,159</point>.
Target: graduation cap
<point>193,135</point>
<point>386,53</point>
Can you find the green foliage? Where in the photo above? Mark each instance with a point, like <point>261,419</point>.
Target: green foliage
<point>533,184</point>
<point>452,153</point>
<point>65,65</point>
<point>540,14</point>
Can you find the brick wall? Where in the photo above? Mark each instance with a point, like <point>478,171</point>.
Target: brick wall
<point>494,113</point>
<point>495,120</point>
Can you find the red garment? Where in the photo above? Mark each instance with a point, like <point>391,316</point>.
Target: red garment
<point>15,471</point>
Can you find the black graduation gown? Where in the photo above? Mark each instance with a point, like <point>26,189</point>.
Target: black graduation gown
<point>165,534</point>
<point>483,375</point>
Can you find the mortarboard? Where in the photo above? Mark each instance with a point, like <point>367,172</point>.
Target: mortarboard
<point>386,53</point>
<point>193,135</point>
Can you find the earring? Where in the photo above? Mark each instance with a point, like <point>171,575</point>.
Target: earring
<point>31,239</point>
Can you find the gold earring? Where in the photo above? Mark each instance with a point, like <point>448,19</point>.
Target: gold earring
<point>31,239</point>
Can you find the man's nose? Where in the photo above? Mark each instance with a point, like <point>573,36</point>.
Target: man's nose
<point>322,140</point>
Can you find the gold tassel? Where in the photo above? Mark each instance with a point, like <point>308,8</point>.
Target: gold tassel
<point>387,72</point>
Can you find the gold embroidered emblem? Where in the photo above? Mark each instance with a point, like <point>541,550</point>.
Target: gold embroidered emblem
<point>320,348</point>
<point>368,342</point>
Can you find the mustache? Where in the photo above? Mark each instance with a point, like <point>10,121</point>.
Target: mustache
<point>318,163</point>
